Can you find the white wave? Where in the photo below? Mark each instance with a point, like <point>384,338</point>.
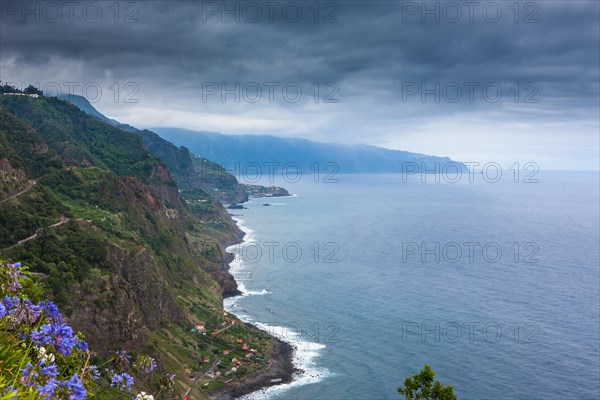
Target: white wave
<point>249,236</point>
<point>237,265</point>
<point>230,305</point>
<point>255,292</point>
<point>238,274</point>
<point>305,352</point>
<point>305,355</point>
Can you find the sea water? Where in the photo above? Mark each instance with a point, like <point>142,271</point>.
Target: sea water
<point>495,285</point>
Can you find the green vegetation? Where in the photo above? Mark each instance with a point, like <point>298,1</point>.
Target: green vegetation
<point>77,139</point>
<point>194,174</point>
<point>422,387</point>
<point>42,358</point>
<point>190,172</point>
<point>132,262</point>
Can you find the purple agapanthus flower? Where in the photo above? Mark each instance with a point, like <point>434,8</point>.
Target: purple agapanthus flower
<point>81,344</point>
<point>47,390</point>
<point>50,311</point>
<point>49,371</point>
<point>26,312</point>
<point>58,335</point>
<point>14,274</point>
<point>122,360</point>
<point>151,366</point>
<point>94,373</point>
<point>29,375</point>
<point>145,364</point>
<point>3,312</point>
<point>21,310</point>
<point>10,303</point>
<point>75,386</point>
<point>122,381</point>
<point>40,375</point>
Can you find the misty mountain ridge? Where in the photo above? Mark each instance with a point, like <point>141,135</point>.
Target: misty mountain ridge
<point>195,176</point>
<point>243,151</point>
<point>236,153</point>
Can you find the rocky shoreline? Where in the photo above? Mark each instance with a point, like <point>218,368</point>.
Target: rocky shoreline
<point>280,368</point>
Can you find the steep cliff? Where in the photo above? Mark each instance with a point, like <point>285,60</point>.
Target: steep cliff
<point>189,171</point>
<point>100,221</point>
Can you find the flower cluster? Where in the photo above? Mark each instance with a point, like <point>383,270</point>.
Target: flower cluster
<point>48,359</point>
<point>94,373</point>
<point>42,378</point>
<point>35,336</point>
<point>59,335</point>
<point>20,310</point>
<point>168,380</point>
<point>10,278</point>
<point>50,311</point>
<point>145,364</point>
<point>122,360</point>
<point>122,381</point>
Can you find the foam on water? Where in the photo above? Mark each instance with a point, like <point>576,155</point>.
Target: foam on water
<point>305,356</point>
<point>256,292</point>
<point>305,352</point>
<point>236,267</point>
<point>372,293</point>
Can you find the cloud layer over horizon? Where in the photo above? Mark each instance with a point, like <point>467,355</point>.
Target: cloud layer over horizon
<point>416,76</point>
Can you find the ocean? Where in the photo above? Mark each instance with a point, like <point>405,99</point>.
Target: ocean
<point>495,285</point>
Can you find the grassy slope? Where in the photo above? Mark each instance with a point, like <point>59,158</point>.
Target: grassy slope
<point>130,262</point>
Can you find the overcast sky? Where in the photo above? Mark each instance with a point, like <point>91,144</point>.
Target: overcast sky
<point>476,81</point>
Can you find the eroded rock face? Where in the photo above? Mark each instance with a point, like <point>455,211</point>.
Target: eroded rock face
<point>161,173</point>
<point>240,194</point>
<point>139,294</point>
<point>126,258</point>
<point>228,284</point>
<point>143,276</point>
<point>125,305</point>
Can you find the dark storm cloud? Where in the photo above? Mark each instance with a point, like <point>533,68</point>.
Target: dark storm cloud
<point>382,38</point>
<point>369,49</point>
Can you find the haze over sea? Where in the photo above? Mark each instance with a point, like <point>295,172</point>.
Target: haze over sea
<point>372,307</point>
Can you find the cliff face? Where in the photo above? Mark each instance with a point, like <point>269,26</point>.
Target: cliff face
<point>188,171</point>
<point>214,179</point>
<point>135,299</point>
<point>101,222</point>
<point>194,173</point>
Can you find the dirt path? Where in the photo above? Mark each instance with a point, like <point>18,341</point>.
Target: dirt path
<point>37,233</point>
<point>227,327</point>
<point>40,230</point>
<point>28,188</point>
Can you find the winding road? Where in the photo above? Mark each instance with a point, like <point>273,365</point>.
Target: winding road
<point>37,233</point>
<point>29,187</point>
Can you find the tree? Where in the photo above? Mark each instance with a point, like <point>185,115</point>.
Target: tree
<point>422,387</point>
<point>6,88</point>
<point>32,90</point>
